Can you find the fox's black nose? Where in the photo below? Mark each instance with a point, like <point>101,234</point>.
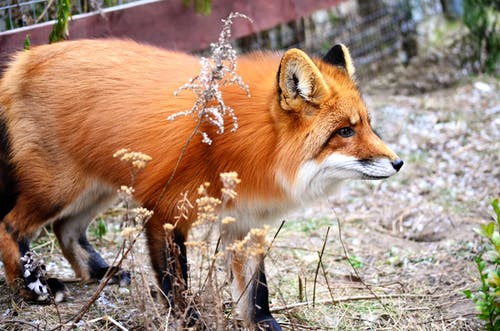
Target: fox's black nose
<point>397,164</point>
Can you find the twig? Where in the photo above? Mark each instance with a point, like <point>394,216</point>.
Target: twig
<point>318,266</point>
<point>39,18</point>
<point>53,299</point>
<point>464,317</point>
<point>354,298</point>
<point>296,326</point>
<point>111,272</point>
<point>416,308</point>
<point>112,320</point>
<point>211,268</point>
<point>263,257</point>
<point>350,262</point>
<point>177,164</point>
<point>36,327</point>
<point>334,257</point>
<point>326,280</point>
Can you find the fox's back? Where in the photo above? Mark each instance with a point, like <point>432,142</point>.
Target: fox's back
<point>71,106</point>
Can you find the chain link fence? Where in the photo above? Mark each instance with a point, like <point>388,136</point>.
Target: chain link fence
<point>376,31</point>
<point>20,13</point>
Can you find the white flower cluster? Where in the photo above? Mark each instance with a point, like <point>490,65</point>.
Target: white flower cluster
<point>136,159</point>
<point>254,243</point>
<point>229,182</point>
<point>217,70</point>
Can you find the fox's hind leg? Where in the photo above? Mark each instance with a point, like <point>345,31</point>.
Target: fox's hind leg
<point>11,253</point>
<point>22,269</point>
<point>70,225</point>
<point>8,186</point>
<point>70,229</point>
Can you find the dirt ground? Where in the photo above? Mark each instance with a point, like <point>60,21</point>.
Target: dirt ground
<point>412,234</point>
<point>409,239</point>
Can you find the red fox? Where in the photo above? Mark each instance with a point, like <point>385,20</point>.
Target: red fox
<point>66,108</point>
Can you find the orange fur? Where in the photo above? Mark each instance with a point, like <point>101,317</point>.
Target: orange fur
<point>68,107</point>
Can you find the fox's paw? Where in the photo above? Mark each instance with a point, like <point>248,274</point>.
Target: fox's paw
<point>120,276</point>
<point>267,323</point>
<point>193,319</point>
<point>57,289</point>
<point>37,287</point>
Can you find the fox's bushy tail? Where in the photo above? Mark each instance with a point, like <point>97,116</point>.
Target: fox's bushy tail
<point>8,187</point>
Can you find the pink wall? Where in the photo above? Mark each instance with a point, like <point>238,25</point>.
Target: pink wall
<point>167,23</point>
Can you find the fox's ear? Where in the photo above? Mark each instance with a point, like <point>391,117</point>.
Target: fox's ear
<point>300,81</point>
<point>339,56</point>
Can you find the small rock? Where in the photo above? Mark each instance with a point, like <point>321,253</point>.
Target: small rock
<point>483,87</point>
<point>124,291</point>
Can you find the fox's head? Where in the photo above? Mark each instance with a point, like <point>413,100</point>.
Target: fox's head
<point>325,129</point>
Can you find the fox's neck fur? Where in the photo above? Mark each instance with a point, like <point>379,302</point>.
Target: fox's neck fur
<point>265,163</point>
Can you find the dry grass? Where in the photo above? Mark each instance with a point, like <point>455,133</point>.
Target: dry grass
<point>342,301</point>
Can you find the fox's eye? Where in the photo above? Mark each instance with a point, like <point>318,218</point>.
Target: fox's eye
<point>345,132</point>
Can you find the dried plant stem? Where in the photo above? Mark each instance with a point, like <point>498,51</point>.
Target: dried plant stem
<point>110,273</point>
<point>353,298</point>
<point>47,6</point>
<point>206,87</point>
<point>177,164</point>
<point>216,71</point>
<point>20,322</point>
<point>108,319</point>
<point>344,248</point>
<point>319,264</point>
<point>112,320</point>
<point>263,257</point>
<point>212,265</point>
<point>59,319</point>
<point>327,282</point>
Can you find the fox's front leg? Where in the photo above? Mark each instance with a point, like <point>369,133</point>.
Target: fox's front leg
<point>168,258</point>
<point>250,291</point>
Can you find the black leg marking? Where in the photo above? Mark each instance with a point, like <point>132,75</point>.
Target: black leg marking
<point>174,279</point>
<point>175,265</point>
<point>192,317</point>
<point>98,267</point>
<point>24,245</point>
<point>262,315</point>
<point>8,186</point>
<point>179,242</point>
